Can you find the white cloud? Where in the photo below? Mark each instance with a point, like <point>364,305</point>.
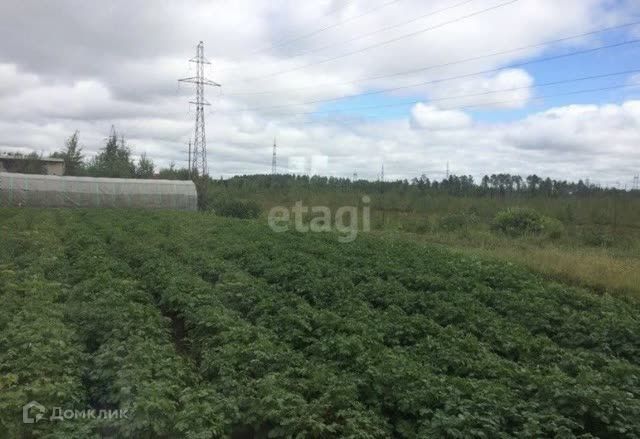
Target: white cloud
<point>430,117</point>
<point>506,89</point>
<point>12,81</point>
<point>76,69</point>
<point>587,129</point>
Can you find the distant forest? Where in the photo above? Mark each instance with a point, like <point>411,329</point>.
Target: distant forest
<point>490,185</point>
<point>115,160</point>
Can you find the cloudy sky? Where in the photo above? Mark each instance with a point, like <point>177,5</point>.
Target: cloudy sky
<point>521,86</point>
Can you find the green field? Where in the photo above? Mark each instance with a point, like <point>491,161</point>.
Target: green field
<point>599,247</point>
<point>199,326</point>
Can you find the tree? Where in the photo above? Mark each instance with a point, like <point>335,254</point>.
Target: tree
<point>533,182</point>
<point>72,156</point>
<point>145,167</point>
<point>114,160</point>
<point>174,174</point>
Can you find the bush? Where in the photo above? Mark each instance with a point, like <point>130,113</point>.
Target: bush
<point>420,227</point>
<point>237,209</point>
<point>524,221</point>
<point>597,237</point>
<point>552,228</point>
<point>457,221</point>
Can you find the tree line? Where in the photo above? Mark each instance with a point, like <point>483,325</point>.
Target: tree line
<point>495,185</point>
<point>115,160</point>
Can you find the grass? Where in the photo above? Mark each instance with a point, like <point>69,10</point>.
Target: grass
<point>603,270</point>
<point>600,249</point>
<point>598,257</point>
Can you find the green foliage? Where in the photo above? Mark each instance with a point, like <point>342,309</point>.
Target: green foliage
<point>72,156</point>
<point>171,173</point>
<point>518,222</point>
<point>417,226</point>
<point>145,167</point>
<point>114,160</point>
<point>552,228</point>
<point>237,209</point>
<point>526,221</point>
<point>596,237</point>
<point>212,327</point>
<point>457,221</point>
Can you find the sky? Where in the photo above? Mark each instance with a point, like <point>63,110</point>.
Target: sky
<point>487,86</point>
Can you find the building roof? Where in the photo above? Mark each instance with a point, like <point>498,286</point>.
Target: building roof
<point>41,159</point>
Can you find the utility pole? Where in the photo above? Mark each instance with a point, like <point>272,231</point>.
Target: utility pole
<point>308,166</point>
<point>189,160</point>
<point>447,173</point>
<point>636,183</point>
<point>199,156</point>
<point>382,204</point>
<point>274,167</point>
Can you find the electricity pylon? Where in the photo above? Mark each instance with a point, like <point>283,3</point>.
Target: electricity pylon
<point>199,153</point>
<point>274,165</point>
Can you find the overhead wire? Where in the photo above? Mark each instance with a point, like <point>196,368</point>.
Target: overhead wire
<point>448,64</point>
<point>337,8</point>
<point>463,96</point>
<point>384,29</point>
<point>493,103</point>
<point>446,79</point>
<point>288,41</point>
<point>379,44</point>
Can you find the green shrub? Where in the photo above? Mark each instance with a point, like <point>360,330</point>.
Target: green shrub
<point>237,209</point>
<point>596,237</point>
<point>417,226</point>
<point>552,228</point>
<point>525,221</point>
<point>457,221</point>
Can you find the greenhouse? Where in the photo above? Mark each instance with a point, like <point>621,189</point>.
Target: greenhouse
<point>30,190</point>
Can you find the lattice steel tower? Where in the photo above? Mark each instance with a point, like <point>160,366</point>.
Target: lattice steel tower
<point>274,166</point>
<point>199,151</point>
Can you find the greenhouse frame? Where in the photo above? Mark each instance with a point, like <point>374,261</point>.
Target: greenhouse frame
<point>31,190</point>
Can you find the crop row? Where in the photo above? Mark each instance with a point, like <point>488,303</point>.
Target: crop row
<point>41,355</point>
<point>360,323</point>
<point>202,327</point>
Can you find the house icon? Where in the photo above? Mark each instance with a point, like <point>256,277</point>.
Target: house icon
<point>33,408</point>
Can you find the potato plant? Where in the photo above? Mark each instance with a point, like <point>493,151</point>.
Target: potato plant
<point>202,326</point>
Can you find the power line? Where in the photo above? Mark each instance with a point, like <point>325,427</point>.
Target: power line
<point>359,119</point>
<point>322,29</point>
<point>446,79</point>
<point>415,101</point>
<point>337,8</point>
<point>384,29</point>
<point>380,44</point>
<point>448,64</point>
<point>493,103</point>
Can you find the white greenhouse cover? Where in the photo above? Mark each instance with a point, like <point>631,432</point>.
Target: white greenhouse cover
<point>52,191</point>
